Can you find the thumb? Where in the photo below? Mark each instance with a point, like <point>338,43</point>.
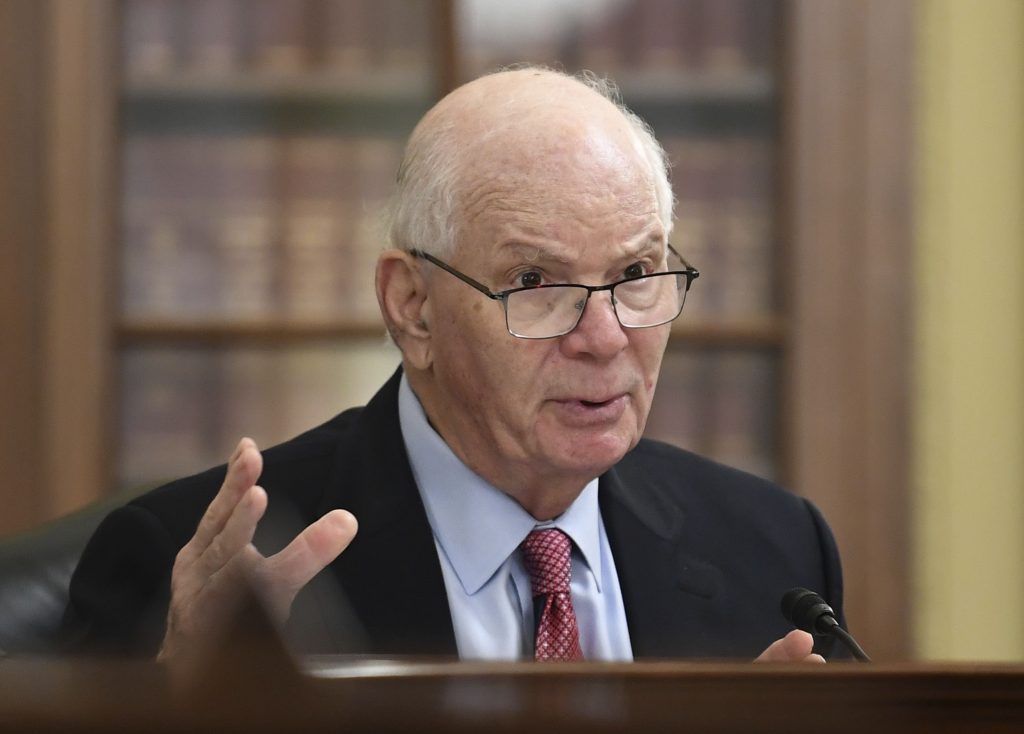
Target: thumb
<point>797,646</point>
<point>311,551</point>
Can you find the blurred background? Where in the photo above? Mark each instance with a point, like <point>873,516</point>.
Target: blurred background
<point>190,209</point>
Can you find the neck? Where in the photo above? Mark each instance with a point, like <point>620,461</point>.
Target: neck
<point>545,503</point>
<point>545,495</point>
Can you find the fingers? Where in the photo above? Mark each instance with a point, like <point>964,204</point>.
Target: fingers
<point>315,547</point>
<point>220,542</point>
<point>244,468</point>
<point>236,534</point>
<point>795,647</point>
<point>226,562</point>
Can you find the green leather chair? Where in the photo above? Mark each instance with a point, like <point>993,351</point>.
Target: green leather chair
<point>35,569</point>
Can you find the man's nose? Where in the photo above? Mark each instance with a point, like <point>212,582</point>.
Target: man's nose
<point>598,332</point>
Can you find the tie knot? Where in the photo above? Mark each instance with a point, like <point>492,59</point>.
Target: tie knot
<point>546,556</point>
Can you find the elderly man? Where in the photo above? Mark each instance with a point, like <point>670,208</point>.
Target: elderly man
<point>507,505</point>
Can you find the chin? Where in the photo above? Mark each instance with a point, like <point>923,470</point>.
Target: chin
<point>593,454</point>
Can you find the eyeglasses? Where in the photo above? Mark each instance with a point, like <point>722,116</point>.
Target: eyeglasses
<point>547,311</point>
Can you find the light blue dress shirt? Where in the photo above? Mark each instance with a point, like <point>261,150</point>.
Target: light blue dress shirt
<point>477,531</point>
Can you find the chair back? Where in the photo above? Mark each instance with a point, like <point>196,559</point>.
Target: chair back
<point>35,571</point>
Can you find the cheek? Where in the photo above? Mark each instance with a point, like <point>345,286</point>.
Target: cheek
<point>482,364</point>
<point>650,348</point>
<point>511,386</point>
<point>516,369</point>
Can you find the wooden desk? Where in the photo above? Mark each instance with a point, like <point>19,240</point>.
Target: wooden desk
<point>425,696</point>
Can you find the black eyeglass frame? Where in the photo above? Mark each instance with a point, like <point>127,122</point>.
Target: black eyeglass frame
<point>689,272</point>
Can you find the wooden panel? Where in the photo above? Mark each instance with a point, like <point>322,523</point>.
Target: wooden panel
<point>253,689</point>
<point>887,331</point>
<point>21,224</point>
<point>80,130</point>
<point>847,145</point>
<point>56,156</point>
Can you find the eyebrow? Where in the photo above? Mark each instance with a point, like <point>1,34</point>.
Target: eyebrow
<point>536,253</point>
<point>648,245</point>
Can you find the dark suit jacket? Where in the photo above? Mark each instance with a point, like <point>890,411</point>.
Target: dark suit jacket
<point>704,552</point>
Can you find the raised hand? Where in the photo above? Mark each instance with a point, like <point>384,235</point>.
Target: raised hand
<point>214,570</point>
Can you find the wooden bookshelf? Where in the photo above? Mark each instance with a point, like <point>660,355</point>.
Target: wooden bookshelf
<point>367,86</point>
<point>763,334</point>
<point>318,85</point>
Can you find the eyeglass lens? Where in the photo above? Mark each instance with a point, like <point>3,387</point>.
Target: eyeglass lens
<point>545,312</point>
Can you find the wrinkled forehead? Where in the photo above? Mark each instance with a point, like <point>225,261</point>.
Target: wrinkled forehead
<point>547,150</point>
<point>552,146</point>
<point>557,175</point>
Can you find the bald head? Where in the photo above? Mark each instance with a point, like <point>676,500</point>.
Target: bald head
<point>530,131</point>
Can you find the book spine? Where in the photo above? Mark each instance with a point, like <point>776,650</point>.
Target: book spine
<point>406,40</point>
<point>695,169</point>
<point>164,423</point>
<point>213,35</point>
<point>604,41</point>
<point>376,162</point>
<point>760,33</point>
<point>347,33</point>
<point>743,417</point>
<point>317,184</point>
<point>723,48</point>
<point>151,36</point>
<point>749,264</point>
<point>246,228</point>
<point>659,37</point>
<point>169,268</point>
<point>249,399</point>
<point>679,412</point>
<point>279,35</point>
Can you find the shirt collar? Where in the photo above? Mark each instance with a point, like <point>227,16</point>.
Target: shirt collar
<point>478,526</point>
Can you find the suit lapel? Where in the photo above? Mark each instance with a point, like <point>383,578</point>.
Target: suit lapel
<point>390,573</point>
<point>666,589</point>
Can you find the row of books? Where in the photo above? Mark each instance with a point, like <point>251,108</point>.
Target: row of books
<point>254,227</point>
<point>259,228</point>
<point>717,37</point>
<point>725,199</point>
<point>183,410</point>
<point>271,36</point>
<point>275,36</point>
<point>720,404</point>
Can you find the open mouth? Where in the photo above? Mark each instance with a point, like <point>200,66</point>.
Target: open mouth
<point>578,411</point>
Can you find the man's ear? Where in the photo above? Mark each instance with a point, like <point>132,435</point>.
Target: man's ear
<point>402,295</point>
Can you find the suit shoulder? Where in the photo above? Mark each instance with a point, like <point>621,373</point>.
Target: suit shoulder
<point>651,460</point>
<point>695,483</point>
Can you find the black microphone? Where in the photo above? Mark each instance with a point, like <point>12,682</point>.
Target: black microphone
<point>809,612</point>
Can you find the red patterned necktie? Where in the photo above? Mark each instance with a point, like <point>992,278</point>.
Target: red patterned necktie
<point>546,555</point>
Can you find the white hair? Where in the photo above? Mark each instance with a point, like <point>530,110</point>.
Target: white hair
<point>424,211</point>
